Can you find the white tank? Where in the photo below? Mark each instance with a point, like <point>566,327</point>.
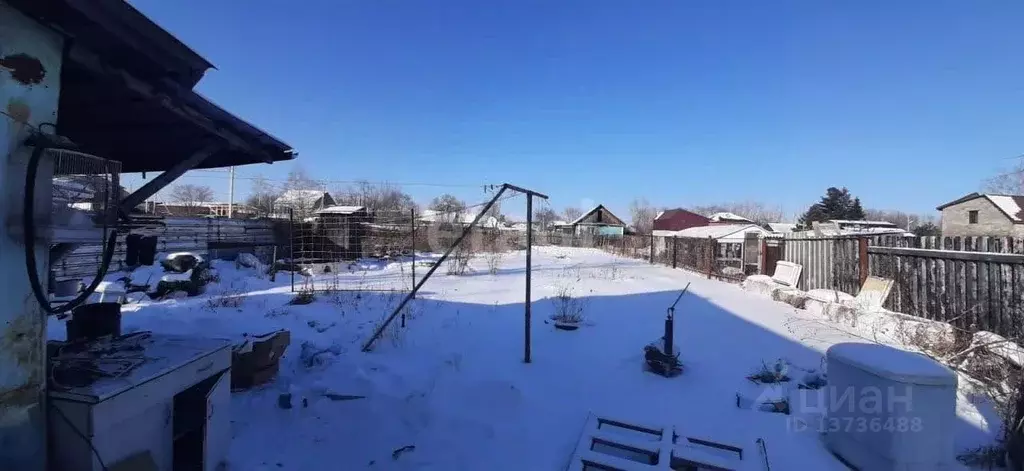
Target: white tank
<point>889,409</point>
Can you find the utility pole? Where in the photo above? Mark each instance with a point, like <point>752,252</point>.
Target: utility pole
<point>231,193</point>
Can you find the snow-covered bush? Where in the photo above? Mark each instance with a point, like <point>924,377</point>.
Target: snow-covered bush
<point>494,262</point>
<point>458,260</point>
<point>568,308</point>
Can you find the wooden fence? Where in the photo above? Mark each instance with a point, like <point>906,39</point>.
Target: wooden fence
<point>206,236</point>
<point>828,263</point>
<point>965,287</point>
<point>971,290</point>
<point>1014,245</point>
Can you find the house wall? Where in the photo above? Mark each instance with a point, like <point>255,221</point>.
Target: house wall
<point>677,221</point>
<point>991,221</point>
<point>29,93</point>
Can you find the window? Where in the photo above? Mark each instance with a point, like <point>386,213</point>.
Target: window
<point>972,217</point>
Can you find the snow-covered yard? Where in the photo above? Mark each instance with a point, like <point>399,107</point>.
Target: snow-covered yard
<point>453,384</point>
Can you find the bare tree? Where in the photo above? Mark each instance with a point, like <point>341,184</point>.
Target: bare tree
<point>545,216</point>
<point>192,197</point>
<point>449,209</point>
<point>753,210</point>
<point>904,220</point>
<point>642,214</point>
<point>378,198</point>
<point>261,197</point>
<point>1010,182</point>
<point>572,213</point>
<point>298,179</point>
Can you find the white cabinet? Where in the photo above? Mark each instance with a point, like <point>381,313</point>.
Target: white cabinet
<point>175,406</point>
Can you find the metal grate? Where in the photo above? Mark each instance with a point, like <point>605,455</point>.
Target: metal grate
<point>86,189</point>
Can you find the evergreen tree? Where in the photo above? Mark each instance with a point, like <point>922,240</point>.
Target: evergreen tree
<point>856,212</point>
<point>836,204</point>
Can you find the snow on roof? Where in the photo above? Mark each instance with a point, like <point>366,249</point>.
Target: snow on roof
<point>781,226</point>
<point>724,216</point>
<point>862,223</point>
<point>1011,205</point>
<point>341,209</point>
<point>559,223</point>
<point>719,231</point>
<point>299,195</point>
<point>462,217</point>
<point>584,215</point>
<point>659,214</point>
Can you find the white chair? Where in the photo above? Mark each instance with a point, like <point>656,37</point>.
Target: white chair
<point>786,277</point>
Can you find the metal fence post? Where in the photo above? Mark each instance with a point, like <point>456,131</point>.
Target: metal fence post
<point>291,240</point>
<point>652,248</point>
<point>711,248</point>
<point>862,255</point>
<point>412,223</point>
<point>675,249</point>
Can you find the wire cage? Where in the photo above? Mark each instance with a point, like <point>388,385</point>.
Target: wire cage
<point>85,194</point>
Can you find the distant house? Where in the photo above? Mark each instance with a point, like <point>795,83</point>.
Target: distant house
<point>457,219</point>
<point>780,227</point>
<point>597,221</point>
<point>728,218</point>
<point>678,219</point>
<point>728,238</point>
<point>304,203</point>
<point>220,209</point>
<point>342,229</point>
<point>979,214</point>
<point>843,227</point>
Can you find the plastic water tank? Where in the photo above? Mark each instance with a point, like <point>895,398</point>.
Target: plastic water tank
<point>889,409</point>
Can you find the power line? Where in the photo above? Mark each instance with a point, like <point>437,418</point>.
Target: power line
<point>208,173</point>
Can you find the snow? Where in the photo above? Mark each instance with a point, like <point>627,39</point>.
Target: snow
<point>173,277</point>
<point>728,217</point>
<point>721,232</point>
<point>199,258</point>
<point>1008,205</point>
<point>892,363</point>
<point>453,383</point>
<point>341,209</point>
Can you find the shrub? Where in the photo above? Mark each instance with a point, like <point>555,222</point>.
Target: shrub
<point>568,308</point>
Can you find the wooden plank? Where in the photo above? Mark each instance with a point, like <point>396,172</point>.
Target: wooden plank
<point>961,287</point>
<point>942,254</point>
<point>995,305</point>
<point>940,290</point>
<point>984,311</point>
<point>971,298</point>
<point>1006,298</point>
<point>1018,299</point>
<point>913,273</point>
<point>952,293</point>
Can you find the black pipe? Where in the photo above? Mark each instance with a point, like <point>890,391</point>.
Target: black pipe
<point>31,264</point>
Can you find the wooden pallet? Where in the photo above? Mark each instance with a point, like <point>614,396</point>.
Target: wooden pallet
<point>613,445</point>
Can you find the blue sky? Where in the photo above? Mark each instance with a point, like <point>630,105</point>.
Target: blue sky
<point>909,104</point>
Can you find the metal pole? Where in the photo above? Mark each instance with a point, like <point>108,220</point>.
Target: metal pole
<point>231,193</point>
<point>438,263</point>
<point>291,240</point>
<point>412,223</point>
<point>529,270</point>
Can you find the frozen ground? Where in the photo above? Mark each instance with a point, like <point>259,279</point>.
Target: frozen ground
<point>453,384</point>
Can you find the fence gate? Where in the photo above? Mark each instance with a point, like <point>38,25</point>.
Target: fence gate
<point>751,253</point>
<point>772,255</point>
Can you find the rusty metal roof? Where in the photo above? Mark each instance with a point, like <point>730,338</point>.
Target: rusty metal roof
<point>126,91</point>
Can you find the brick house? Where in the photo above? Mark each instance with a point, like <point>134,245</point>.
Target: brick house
<point>980,214</point>
<point>678,219</point>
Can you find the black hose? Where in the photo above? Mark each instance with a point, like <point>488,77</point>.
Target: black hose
<point>31,264</point>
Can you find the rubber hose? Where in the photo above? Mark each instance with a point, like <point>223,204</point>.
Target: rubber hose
<point>31,264</point>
